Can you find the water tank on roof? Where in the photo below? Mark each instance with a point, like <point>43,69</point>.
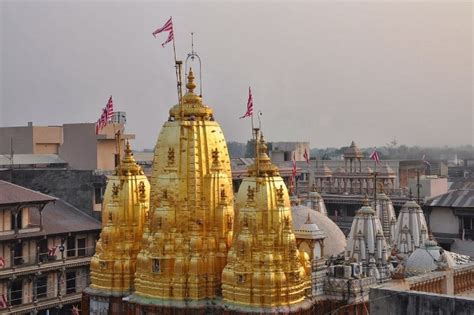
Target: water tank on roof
<point>119,118</point>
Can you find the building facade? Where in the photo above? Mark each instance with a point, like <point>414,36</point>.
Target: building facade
<point>45,247</point>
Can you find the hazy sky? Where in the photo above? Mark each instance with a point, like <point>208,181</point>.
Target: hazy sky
<point>324,72</point>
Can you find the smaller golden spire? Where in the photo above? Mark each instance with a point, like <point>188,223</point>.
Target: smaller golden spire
<point>128,150</point>
<point>191,85</point>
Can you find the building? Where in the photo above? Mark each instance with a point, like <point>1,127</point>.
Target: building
<point>45,251</point>
<point>429,186</point>
<point>31,139</point>
<point>451,220</point>
<point>287,151</point>
<point>78,145</point>
<point>81,188</point>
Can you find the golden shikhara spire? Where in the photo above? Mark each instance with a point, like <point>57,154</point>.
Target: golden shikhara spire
<point>125,206</point>
<point>190,229</point>
<point>264,267</point>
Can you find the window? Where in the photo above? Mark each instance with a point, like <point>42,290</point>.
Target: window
<point>16,292</point>
<point>71,246</point>
<point>41,287</point>
<point>467,224</point>
<point>81,247</point>
<point>17,220</point>
<point>18,254</point>
<point>98,195</point>
<point>70,282</point>
<point>156,266</point>
<point>43,250</point>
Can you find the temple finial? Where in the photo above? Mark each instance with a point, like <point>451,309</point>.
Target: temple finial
<point>128,149</point>
<point>191,85</point>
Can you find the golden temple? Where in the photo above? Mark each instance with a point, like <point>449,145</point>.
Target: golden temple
<point>265,269</point>
<point>190,231</point>
<point>126,205</point>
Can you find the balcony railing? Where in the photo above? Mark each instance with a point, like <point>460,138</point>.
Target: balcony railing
<point>43,304</point>
<point>44,262</point>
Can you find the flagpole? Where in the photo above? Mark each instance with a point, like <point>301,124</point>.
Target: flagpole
<point>177,66</point>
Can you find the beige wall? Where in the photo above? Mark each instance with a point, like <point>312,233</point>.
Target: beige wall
<point>79,148</point>
<point>443,220</point>
<point>22,140</point>
<point>47,139</point>
<point>106,154</point>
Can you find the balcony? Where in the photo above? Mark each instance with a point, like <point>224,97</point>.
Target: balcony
<point>44,263</point>
<point>45,304</point>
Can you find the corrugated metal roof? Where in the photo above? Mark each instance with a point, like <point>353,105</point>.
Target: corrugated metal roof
<point>13,194</point>
<point>31,159</point>
<point>462,198</point>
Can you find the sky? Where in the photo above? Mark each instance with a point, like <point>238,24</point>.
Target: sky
<point>326,72</point>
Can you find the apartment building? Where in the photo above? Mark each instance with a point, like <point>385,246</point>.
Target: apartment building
<point>45,251</point>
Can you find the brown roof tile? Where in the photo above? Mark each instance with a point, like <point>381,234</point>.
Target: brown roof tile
<point>11,194</point>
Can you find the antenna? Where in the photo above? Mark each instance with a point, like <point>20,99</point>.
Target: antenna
<point>192,56</point>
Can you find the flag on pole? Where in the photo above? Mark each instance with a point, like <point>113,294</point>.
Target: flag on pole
<point>3,301</point>
<point>306,155</point>
<point>375,156</point>
<point>52,251</point>
<point>105,117</point>
<point>109,108</point>
<point>427,164</point>
<point>2,262</point>
<point>249,111</point>
<point>168,27</point>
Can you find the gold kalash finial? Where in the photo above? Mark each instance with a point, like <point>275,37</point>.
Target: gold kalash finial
<point>191,85</point>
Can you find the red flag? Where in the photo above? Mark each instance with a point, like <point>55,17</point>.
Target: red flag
<point>249,111</point>
<point>97,127</point>
<point>103,118</point>
<point>375,156</point>
<point>52,251</point>
<point>75,310</point>
<point>2,262</point>
<point>109,108</point>
<point>3,301</point>
<point>306,155</point>
<point>168,27</point>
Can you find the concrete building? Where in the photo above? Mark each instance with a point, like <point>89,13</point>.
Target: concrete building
<point>76,144</point>
<point>451,219</point>
<point>31,139</point>
<point>284,151</point>
<point>45,251</point>
<point>430,186</point>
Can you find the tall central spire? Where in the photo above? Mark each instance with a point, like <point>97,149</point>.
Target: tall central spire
<point>190,228</point>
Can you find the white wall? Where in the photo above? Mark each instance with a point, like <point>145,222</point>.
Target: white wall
<point>443,220</point>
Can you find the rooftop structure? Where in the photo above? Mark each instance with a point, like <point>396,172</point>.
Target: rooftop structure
<point>411,230</point>
<point>366,244</point>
